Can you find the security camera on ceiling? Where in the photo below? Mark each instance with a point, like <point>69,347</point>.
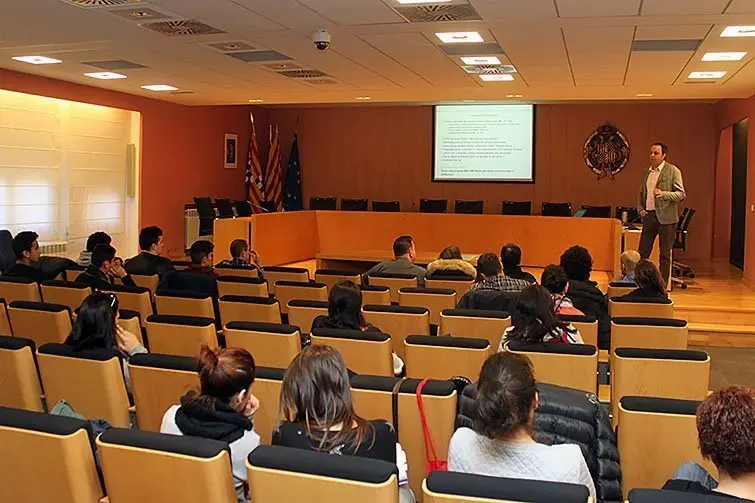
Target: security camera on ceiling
<point>321,39</point>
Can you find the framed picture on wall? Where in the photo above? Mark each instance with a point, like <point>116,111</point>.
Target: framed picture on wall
<point>230,151</point>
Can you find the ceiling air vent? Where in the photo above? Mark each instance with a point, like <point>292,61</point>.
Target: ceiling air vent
<point>181,28</point>
<point>438,13</point>
<point>140,14</point>
<point>91,4</point>
<point>489,69</point>
<point>303,74</point>
<point>258,56</point>
<point>236,45</point>
<point>115,64</point>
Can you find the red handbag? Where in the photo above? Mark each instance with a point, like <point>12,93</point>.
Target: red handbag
<point>432,463</point>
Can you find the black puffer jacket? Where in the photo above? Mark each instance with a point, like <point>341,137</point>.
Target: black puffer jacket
<point>568,416</point>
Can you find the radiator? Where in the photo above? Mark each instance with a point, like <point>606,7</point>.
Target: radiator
<point>191,227</point>
<point>59,249</point>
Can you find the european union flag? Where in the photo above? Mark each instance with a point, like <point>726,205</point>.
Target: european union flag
<point>292,189</point>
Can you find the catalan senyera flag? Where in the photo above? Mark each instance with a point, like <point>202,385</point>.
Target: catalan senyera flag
<point>253,176</point>
<point>274,173</point>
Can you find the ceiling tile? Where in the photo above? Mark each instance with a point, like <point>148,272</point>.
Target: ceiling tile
<point>258,56</point>
<point>223,14</point>
<point>599,55</point>
<point>682,7</point>
<point>538,55</point>
<point>593,8</point>
<point>354,12</point>
<point>677,32</point>
<point>650,69</point>
<point>665,45</point>
<point>741,7</point>
<point>492,10</point>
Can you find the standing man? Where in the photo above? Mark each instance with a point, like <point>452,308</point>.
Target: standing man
<point>662,188</point>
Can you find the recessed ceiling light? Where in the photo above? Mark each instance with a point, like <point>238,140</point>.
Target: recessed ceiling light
<point>159,87</point>
<point>37,60</point>
<point>481,60</point>
<point>460,37</point>
<point>706,75</point>
<point>363,98</point>
<point>724,56</point>
<point>513,95</point>
<point>644,95</point>
<point>497,77</point>
<point>105,75</point>
<point>738,31</point>
<point>256,101</point>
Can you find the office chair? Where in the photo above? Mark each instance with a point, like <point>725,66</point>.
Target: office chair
<point>469,207</point>
<point>322,203</point>
<point>516,208</point>
<point>206,215</point>
<point>556,210</point>
<point>597,211</point>
<point>633,216</point>
<point>225,208</point>
<point>679,270</point>
<point>354,205</point>
<point>433,205</point>
<point>386,206</point>
<point>244,208</point>
<point>7,256</point>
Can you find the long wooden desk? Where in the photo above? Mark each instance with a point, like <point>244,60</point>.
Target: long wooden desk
<point>282,238</point>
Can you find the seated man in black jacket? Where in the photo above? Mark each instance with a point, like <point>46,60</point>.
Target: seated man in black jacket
<point>584,293</point>
<point>26,248</point>
<point>511,258</point>
<point>105,267</point>
<point>149,261</point>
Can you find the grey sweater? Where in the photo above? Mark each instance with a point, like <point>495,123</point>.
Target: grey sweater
<point>470,452</point>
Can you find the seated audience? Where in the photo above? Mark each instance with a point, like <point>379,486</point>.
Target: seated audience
<point>726,434</point>
<point>98,238</point>
<point>26,249</point>
<point>584,294</point>
<point>103,269</point>
<point>534,321</point>
<point>500,442</point>
<point>96,327</point>
<point>490,276</point>
<point>405,254</point>
<point>649,282</point>
<point>629,260</point>
<point>450,263</point>
<point>555,281</point>
<point>149,261</point>
<point>222,409</point>
<point>511,257</point>
<point>242,256</point>
<point>345,312</point>
<point>318,413</point>
<point>202,258</point>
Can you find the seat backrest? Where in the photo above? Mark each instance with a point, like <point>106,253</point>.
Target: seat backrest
<point>434,299</point>
<point>302,313</point>
<point>672,496</point>
<point>398,321</point>
<point>331,277</point>
<point>46,458</point>
<point>456,487</point>
<point>290,290</point>
<point>181,265</point>
<point>271,344</point>
<point>433,205</point>
<point>655,437</point>
<point>144,281</point>
<point>386,206</point>
<point>19,289</point>
<point>254,309</point>
<point>596,211</point>
<point>157,383</point>
<point>180,335</point>
<point>619,289</point>
<point>169,302</point>
<point>354,205</point>
<point>171,467</point>
<point>19,383</point>
<point>66,293</point>
<point>445,357</point>
<point>4,321</point>
<point>620,307</point>
<point>477,323</point>
<point>225,208</point>
<point>277,473</point>
<point>587,326</point>
<point>556,209</point>
<point>372,397</point>
<point>393,281</point>
<point>134,298</point>
<point>460,286</point>
<point>568,365</point>
<point>650,333</point>
<point>516,208</point>
<point>267,389</point>
<point>273,274</point>
<point>662,373</point>
<point>72,271</point>
<point>243,208</point>
<point>365,352</point>
<point>376,295</point>
<point>130,322</point>
<point>469,207</point>
<point>39,322</point>
<point>240,285</point>
<point>323,203</point>
<point>90,380</point>
<point>235,271</point>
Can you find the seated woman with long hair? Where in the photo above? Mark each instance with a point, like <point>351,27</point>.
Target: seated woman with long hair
<point>96,327</point>
<point>345,312</point>
<point>534,321</point>
<point>318,414</point>
<point>649,281</point>
<point>500,442</point>
<point>222,409</point>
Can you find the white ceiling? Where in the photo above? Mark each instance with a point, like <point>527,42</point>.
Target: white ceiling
<point>562,49</point>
